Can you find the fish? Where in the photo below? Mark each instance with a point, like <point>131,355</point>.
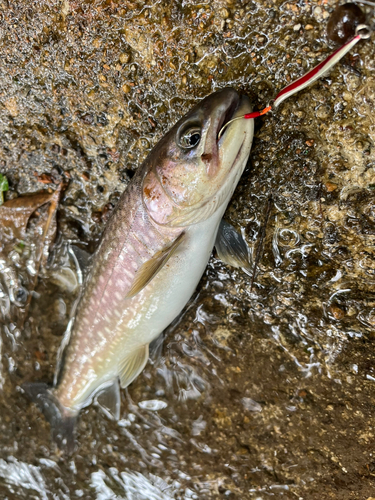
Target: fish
<point>153,252</point>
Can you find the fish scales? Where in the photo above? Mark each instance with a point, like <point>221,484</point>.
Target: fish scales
<point>104,310</point>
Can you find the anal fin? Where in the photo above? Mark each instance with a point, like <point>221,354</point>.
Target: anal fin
<point>132,365</point>
<point>108,399</point>
<point>231,247</point>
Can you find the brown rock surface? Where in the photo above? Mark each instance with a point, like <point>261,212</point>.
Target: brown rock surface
<point>269,391</point>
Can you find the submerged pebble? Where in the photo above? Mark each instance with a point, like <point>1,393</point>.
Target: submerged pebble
<point>343,22</point>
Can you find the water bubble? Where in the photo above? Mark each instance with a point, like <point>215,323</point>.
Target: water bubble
<point>152,404</point>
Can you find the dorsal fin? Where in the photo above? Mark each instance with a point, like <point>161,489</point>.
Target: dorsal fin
<point>150,268</point>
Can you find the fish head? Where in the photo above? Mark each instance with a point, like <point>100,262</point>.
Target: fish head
<point>191,172</point>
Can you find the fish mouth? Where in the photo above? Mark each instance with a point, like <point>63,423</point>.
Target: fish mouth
<point>234,136</point>
<point>228,116</point>
<point>222,139</point>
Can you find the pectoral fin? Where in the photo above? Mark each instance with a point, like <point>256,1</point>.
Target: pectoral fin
<point>231,247</point>
<point>109,400</point>
<point>132,365</point>
<point>151,268</point>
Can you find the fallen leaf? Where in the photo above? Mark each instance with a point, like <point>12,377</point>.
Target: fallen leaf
<point>14,218</point>
<point>15,214</point>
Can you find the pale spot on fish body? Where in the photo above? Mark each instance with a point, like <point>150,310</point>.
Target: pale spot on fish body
<point>102,343</point>
<point>104,301</point>
<point>107,316</point>
<point>152,309</point>
<point>133,323</point>
<point>128,273</point>
<point>146,239</point>
<point>99,318</point>
<point>123,286</point>
<point>82,362</point>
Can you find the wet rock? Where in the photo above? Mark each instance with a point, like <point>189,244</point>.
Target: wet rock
<point>343,22</point>
<point>86,91</point>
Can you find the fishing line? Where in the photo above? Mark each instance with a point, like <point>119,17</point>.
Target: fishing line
<point>362,32</point>
<point>367,2</point>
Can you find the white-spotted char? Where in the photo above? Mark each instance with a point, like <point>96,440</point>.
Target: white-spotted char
<point>152,255</point>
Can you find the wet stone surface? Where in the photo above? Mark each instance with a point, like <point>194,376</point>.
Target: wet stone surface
<point>252,393</point>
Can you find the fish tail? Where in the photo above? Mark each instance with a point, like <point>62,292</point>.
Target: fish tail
<point>61,420</point>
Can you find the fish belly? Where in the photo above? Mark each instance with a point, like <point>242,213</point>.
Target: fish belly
<point>165,297</point>
<point>142,319</point>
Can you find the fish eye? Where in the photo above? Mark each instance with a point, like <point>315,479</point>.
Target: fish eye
<point>190,137</point>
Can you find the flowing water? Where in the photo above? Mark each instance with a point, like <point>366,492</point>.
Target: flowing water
<point>254,392</point>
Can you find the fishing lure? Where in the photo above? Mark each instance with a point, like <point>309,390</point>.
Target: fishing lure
<point>363,32</point>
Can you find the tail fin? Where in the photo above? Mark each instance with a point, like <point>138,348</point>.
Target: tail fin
<point>62,421</point>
